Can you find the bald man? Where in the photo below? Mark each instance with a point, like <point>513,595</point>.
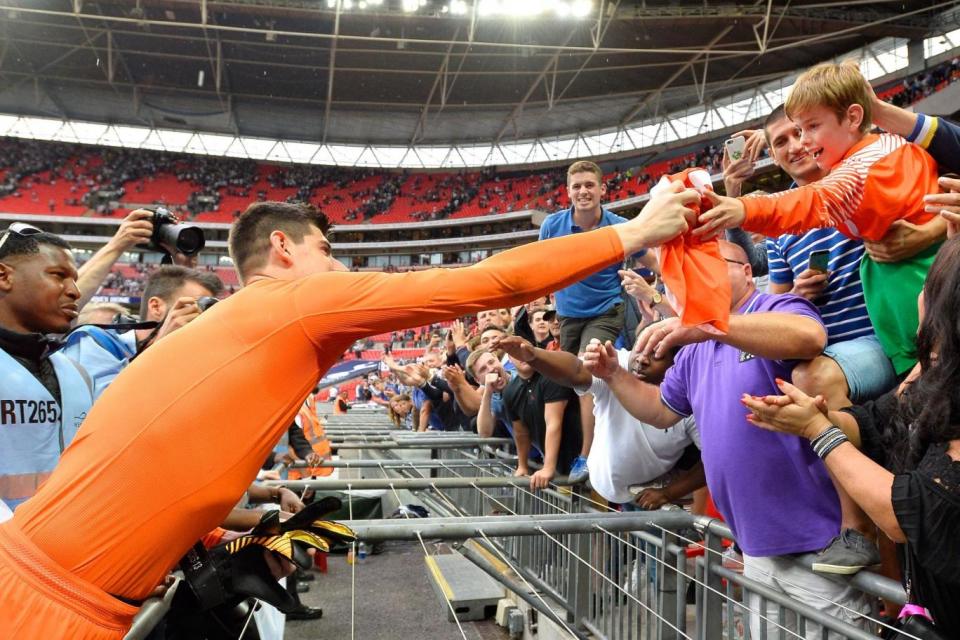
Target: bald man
<point>762,485</point>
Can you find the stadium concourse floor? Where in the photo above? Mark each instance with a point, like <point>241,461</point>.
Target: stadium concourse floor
<point>394,600</point>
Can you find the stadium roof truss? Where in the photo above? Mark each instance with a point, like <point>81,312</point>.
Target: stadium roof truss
<point>428,84</point>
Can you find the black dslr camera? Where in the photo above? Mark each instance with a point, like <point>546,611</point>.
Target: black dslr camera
<point>205,302</point>
<point>172,236</point>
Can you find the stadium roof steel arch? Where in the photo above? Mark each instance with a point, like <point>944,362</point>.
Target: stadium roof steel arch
<point>423,83</point>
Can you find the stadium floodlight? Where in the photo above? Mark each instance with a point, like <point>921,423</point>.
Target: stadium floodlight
<point>531,8</point>
<point>488,7</point>
<point>581,8</point>
<point>458,7</point>
<point>409,6</point>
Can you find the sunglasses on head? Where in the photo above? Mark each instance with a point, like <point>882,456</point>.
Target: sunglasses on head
<point>21,229</point>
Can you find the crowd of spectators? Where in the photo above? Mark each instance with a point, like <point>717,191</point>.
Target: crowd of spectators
<point>663,377</point>
<point>924,84</point>
<point>104,180</point>
<point>856,377</point>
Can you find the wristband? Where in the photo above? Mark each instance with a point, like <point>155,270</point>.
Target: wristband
<point>831,438</point>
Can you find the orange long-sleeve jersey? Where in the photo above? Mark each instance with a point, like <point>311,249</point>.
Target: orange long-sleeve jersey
<point>171,445</point>
<point>881,179</point>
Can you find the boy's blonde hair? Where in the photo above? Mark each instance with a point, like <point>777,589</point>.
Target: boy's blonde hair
<point>834,86</point>
<point>584,166</point>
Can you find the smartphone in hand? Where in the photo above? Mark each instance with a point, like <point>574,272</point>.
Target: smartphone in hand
<point>819,260</point>
<point>735,147</point>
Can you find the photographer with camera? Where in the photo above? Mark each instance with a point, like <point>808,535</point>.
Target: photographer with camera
<point>157,231</point>
<point>173,297</point>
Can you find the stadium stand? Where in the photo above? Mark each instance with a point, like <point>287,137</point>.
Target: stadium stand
<point>41,177</point>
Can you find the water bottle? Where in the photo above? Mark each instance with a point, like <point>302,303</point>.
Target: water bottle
<point>362,551</point>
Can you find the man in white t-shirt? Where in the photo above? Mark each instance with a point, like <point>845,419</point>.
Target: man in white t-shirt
<point>625,451</point>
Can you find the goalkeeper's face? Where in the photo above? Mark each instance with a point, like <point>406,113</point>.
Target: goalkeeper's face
<point>313,255</point>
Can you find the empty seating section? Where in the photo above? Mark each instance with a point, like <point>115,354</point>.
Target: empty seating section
<point>64,179</point>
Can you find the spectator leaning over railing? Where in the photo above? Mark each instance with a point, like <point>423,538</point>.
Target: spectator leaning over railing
<point>625,451</point>
<point>465,395</point>
<point>492,416</point>
<point>45,395</point>
<point>854,364</point>
<point>550,415</point>
<point>434,397</point>
<point>593,307</point>
<point>899,456</point>
<point>762,486</point>
<point>400,411</point>
<point>427,400</point>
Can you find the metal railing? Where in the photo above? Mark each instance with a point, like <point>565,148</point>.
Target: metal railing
<point>618,584</point>
<point>592,572</point>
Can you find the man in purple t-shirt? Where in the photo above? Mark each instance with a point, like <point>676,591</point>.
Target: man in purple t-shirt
<point>774,492</point>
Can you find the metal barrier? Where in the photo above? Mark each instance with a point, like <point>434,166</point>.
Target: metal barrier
<point>604,575</point>
<point>590,571</point>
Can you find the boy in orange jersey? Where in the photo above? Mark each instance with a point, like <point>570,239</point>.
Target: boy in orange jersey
<point>139,485</point>
<point>873,180</point>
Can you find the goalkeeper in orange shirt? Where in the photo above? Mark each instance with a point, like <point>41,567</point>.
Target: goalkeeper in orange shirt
<point>873,181</point>
<point>138,486</point>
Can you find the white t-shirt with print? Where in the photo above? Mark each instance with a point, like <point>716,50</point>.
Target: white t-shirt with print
<point>626,451</point>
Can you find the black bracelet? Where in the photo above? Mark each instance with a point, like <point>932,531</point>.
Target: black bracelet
<point>833,445</point>
<point>831,438</point>
<point>829,431</point>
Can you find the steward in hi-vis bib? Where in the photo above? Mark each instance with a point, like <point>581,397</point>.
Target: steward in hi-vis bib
<point>34,427</point>
<point>44,396</point>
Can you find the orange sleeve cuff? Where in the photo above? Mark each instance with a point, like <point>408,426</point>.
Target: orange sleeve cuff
<point>213,538</point>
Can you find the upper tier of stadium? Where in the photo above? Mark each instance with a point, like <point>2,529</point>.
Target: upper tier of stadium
<point>39,177</point>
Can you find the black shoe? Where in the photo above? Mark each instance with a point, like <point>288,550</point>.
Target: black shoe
<point>302,587</point>
<point>303,612</point>
<point>305,576</point>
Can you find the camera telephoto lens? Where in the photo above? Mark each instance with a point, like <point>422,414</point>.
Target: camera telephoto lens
<point>171,236</point>
<point>190,239</point>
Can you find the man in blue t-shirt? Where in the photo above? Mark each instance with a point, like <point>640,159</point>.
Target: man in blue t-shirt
<point>593,307</point>
<point>762,486</point>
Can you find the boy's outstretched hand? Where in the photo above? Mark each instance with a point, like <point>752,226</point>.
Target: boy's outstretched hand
<point>724,213</point>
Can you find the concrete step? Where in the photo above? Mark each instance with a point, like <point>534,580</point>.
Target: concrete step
<point>473,594</point>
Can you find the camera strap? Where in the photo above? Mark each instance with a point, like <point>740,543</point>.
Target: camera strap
<point>123,327</point>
